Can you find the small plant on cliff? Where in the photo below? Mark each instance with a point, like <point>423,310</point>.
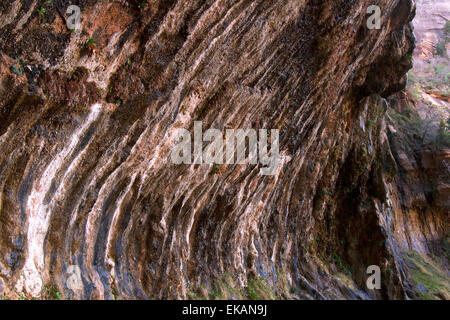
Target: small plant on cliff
<point>438,68</point>
<point>443,134</point>
<point>200,293</point>
<point>90,42</point>
<point>447,31</point>
<point>258,289</point>
<point>143,5</point>
<point>342,267</point>
<point>91,47</point>
<point>224,289</point>
<point>370,123</point>
<point>440,49</point>
<point>408,58</point>
<point>50,293</point>
<point>17,69</point>
<point>427,273</point>
<point>114,294</point>
<point>21,296</point>
<point>214,169</point>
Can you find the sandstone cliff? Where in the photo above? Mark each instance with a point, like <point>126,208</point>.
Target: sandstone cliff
<point>88,120</point>
<point>419,136</point>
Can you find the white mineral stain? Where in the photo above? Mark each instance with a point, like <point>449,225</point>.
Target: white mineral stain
<point>39,214</point>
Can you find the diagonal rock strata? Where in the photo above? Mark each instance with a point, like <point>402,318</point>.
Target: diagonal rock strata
<point>86,133</point>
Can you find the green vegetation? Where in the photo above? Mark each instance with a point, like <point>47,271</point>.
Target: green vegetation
<point>443,135</point>
<point>406,117</point>
<point>427,84</point>
<point>439,68</point>
<point>446,248</point>
<point>408,58</point>
<point>432,76</point>
<point>447,31</point>
<point>198,294</point>
<point>370,123</point>
<point>21,296</point>
<point>90,42</point>
<point>17,68</point>
<point>413,125</point>
<point>412,78</point>
<point>341,266</point>
<point>426,272</point>
<point>259,290</point>
<point>42,10</point>
<point>143,5</point>
<point>114,294</point>
<point>223,288</point>
<point>414,83</point>
<point>226,288</point>
<point>215,168</point>
<point>440,49</point>
<point>50,292</point>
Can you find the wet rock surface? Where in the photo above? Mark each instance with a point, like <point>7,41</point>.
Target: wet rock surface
<point>88,121</point>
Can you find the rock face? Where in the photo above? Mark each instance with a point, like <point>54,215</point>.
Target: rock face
<point>418,131</point>
<point>88,120</point>
<point>429,25</point>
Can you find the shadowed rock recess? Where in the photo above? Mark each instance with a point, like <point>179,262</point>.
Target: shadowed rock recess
<point>87,123</point>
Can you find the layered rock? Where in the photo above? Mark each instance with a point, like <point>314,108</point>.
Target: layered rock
<point>88,120</point>
<point>419,139</point>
